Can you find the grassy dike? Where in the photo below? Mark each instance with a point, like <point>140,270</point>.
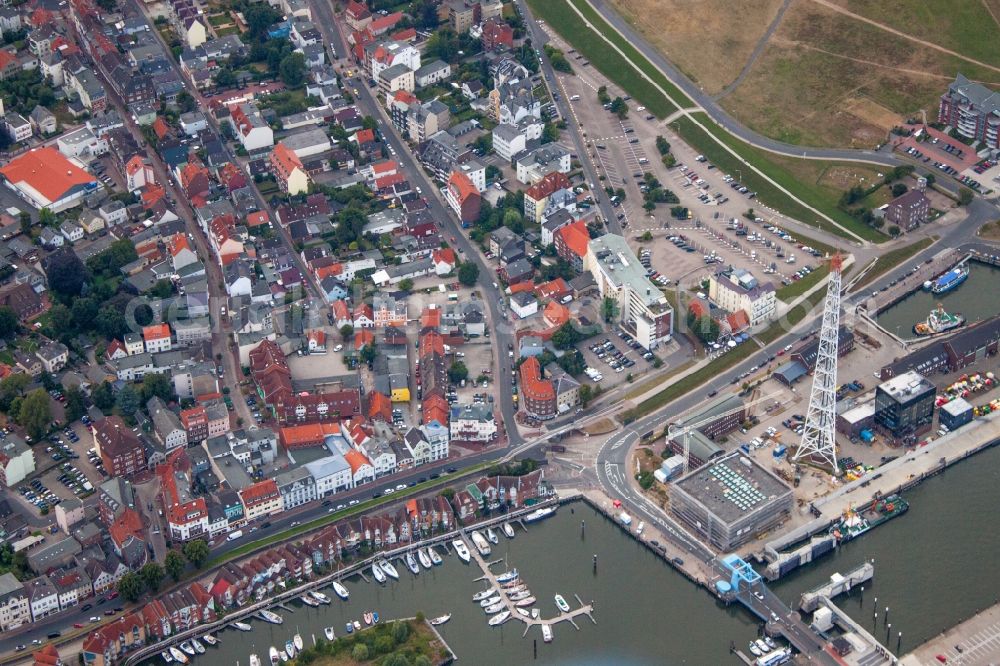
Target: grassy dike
<point>560,15</point>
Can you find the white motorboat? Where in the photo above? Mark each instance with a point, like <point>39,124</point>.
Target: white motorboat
<point>762,646</point>
<point>210,639</point>
<point>165,656</point>
<point>495,608</point>
<point>770,643</point>
<point>284,656</point>
<point>341,591</point>
<point>492,536</point>
<point>524,603</point>
<point>242,626</point>
<point>561,603</point>
<point>425,559</point>
<point>297,641</point>
<point>507,576</point>
<point>520,587</point>
<point>178,656</point>
<point>411,564</point>
<point>438,621</point>
<point>435,558</point>
<point>272,653</point>
<point>357,626</point>
<point>198,647</point>
<point>489,601</point>
<point>308,601</point>
<point>539,514</point>
<point>367,617</point>
<point>508,530</point>
<point>547,633</point>
<point>328,632</point>
<point>389,570</point>
<point>290,649</point>
<point>378,573</point>
<point>499,618</point>
<point>523,612</point>
<point>186,647</point>
<point>254,660</point>
<point>462,550</point>
<point>271,616</point>
<point>517,596</point>
<point>755,650</point>
<point>320,597</point>
<point>479,541</point>
<point>535,613</point>
<point>483,594</point>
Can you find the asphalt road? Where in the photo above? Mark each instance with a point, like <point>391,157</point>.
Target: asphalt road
<point>503,331</point>
<point>611,465</point>
<point>538,39</point>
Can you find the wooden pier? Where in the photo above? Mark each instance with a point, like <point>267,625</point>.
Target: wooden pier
<point>491,578</point>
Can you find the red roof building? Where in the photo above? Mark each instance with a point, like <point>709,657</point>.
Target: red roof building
<point>572,242</point>
<point>463,197</point>
<point>538,396</point>
<point>120,450</point>
<point>47,179</point>
<point>497,34</point>
<point>304,436</point>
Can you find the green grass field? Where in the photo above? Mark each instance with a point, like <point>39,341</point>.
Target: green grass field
<point>584,38</point>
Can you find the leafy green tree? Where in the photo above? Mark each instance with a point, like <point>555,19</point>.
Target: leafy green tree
<point>84,312</point>
<point>131,587</point>
<point>359,652</point>
<point>174,564</point>
<point>965,196</point>
<point>103,396</point>
<point>368,354</point>
<point>406,284</point>
<point>152,575</point>
<point>662,145</point>
<point>566,337</point>
<point>293,70</point>
<point>384,645</point>
<point>259,17</point>
<point>197,552</point>
<point>619,107</point>
<point>585,394</point>
<point>898,189</point>
<point>157,384</point>
<point>225,78</point>
<point>346,332</point>
<point>75,405</point>
<point>127,400</point>
<point>108,262</point>
<point>185,102</point>
<point>704,328</point>
<point>602,95</point>
<point>609,309</point>
<point>457,372</point>
<point>110,322</point>
<point>8,322</point>
<point>66,272</point>
<point>468,273</point>
<point>35,413</point>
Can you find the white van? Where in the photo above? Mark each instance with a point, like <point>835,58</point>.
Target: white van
<point>233,536</point>
<point>574,98</point>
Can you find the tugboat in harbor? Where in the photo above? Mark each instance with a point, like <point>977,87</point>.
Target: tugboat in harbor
<point>938,321</point>
<point>856,522</point>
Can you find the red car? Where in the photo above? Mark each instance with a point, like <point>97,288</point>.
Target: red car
<point>78,625</point>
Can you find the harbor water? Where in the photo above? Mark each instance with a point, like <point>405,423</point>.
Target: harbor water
<point>972,299</point>
<point>646,612</point>
<point>934,566</point>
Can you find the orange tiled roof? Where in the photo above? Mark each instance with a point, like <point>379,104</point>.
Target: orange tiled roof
<point>576,237</point>
<point>461,185</point>
<point>532,383</point>
<point>356,460</point>
<point>155,332</point>
<point>46,171</point>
